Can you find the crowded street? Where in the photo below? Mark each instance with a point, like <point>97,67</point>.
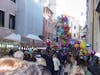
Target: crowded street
<point>49,37</point>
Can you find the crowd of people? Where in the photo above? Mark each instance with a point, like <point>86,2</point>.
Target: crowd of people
<point>49,62</point>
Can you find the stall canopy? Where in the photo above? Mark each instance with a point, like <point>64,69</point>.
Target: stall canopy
<point>13,37</point>
<point>36,40</point>
<point>4,32</point>
<point>34,37</point>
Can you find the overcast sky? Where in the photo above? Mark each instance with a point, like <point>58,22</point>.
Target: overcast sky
<point>74,8</point>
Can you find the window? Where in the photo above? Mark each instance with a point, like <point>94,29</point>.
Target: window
<point>14,1</point>
<point>74,35</point>
<point>99,23</point>
<point>2,18</point>
<point>74,27</point>
<point>11,22</point>
<point>49,24</point>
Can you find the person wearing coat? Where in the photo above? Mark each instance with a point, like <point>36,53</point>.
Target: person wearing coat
<point>13,66</point>
<point>57,65</point>
<point>94,65</point>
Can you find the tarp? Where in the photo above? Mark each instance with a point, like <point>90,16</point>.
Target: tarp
<point>13,37</point>
<point>34,37</point>
<point>4,32</point>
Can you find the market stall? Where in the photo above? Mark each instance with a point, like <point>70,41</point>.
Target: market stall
<point>37,42</point>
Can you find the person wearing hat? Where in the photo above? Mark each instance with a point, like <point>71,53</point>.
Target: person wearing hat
<point>19,55</point>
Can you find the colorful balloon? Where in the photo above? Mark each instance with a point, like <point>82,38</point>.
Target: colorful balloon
<point>83,45</point>
<point>88,45</point>
<point>76,45</point>
<point>64,42</point>
<point>69,33</point>
<point>85,52</point>
<point>58,17</point>
<point>93,52</point>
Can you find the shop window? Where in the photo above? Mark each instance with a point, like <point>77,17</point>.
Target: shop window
<point>14,1</point>
<point>11,22</point>
<point>2,18</point>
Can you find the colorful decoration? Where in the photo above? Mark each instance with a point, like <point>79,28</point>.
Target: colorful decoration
<point>76,45</point>
<point>83,45</point>
<point>65,40</point>
<point>88,45</point>
<point>48,42</point>
<point>63,32</point>
<point>93,52</point>
<point>62,19</point>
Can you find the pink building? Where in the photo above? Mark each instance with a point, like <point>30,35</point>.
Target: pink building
<point>7,13</point>
<point>47,23</point>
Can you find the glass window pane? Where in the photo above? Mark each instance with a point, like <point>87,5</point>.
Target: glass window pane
<point>12,22</point>
<point>1,18</point>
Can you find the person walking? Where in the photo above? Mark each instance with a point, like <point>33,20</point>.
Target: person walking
<point>57,65</point>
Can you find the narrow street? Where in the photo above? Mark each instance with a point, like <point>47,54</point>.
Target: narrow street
<point>49,37</point>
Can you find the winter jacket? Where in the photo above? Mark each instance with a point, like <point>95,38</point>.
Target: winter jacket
<point>56,63</point>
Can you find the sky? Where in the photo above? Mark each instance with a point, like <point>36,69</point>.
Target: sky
<point>74,8</point>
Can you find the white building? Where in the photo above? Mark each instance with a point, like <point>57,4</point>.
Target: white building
<point>74,27</point>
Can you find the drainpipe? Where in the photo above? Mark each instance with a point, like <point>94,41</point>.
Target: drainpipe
<point>93,29</point>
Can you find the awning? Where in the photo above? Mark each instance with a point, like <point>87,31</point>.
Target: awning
<point>98,7</point>
<point>4,32</point>
<point>34,37</point>
<point>13,37</point>
<point>39,43</point>
<point>17,38</point>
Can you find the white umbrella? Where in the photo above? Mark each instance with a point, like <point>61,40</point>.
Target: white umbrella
<point>13,37</point>
<point>34,37</point>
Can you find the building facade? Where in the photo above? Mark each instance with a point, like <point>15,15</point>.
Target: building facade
<point>29,17</point>
<point>74,27</point>
<point>7,17</point>
<point>93,21</point>
<point>47,23</point>
<point>84,33</point>
<point>52,5</point>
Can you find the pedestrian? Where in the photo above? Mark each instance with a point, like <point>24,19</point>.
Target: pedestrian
<point>94,66</point>
<point>19,54</point>
<point>67,68</point>
<point>11,52</point>
<point>49,61</point>
<point>57,65</point>
<point>77,70</point>
<point>13,66</point>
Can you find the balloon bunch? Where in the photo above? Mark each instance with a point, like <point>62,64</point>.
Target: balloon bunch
<point>63,32</point>
<point>83,50</point>
<point>64,36</point>
<point>62,19</point>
